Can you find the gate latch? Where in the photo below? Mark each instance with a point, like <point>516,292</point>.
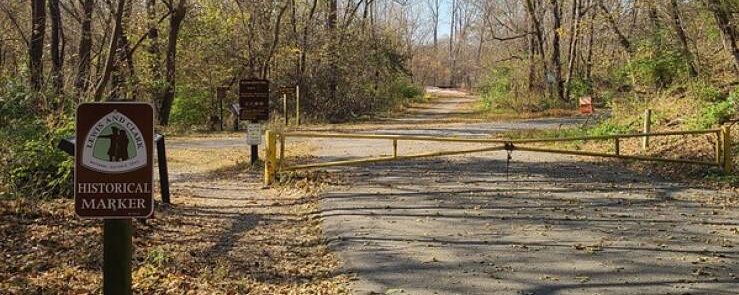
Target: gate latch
<point>508,146</point>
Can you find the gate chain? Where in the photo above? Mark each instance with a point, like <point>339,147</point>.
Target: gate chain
<point>509,149</point>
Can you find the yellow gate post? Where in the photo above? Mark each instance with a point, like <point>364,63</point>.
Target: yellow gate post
<point>718,147</point>
<point>726,150</point>
<point>647,129</point>
<point>270,155</point>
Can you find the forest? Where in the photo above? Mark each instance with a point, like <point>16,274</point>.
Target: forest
<point>352,59</point>
<point>525,193</point>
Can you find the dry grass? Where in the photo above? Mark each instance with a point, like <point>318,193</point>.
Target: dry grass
<point>514,115</point>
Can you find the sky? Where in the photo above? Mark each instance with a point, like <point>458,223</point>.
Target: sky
<point>444,17</point>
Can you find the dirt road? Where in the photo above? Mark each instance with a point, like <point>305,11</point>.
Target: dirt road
<point>545,224</point>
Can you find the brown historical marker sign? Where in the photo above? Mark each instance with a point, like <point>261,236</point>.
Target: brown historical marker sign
<point>254,99</point>
<point>113,160</point>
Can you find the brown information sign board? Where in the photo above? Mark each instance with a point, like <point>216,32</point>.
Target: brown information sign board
<point>254,99</point>
<point>113,160</point>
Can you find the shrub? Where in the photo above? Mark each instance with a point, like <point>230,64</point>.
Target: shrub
<point>703,91</point>
<point>30,163</point>
<point>579,87</point>
<point>496,89</point>
<point>37,169</point>
<point>191,108</point>
<point>716,113</point>
<point>609,127</point>
<point>402,88</point>
<point>657,67</point>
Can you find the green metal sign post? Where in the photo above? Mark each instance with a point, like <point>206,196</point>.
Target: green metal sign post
<point>117,252</point>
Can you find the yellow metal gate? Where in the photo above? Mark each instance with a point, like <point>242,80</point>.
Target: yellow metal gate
<point>275,153</point>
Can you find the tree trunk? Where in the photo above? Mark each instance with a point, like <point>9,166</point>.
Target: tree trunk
<point>2,57</point>
<point>574,37</point>
<point>532,56</point>
<point>435,15</point>
<point>538,42</point>
<point>36,47</point>
<point>436,24</point>
<point>656,25</point>
<point>304,48</point>
<point>556,64</point>
<point>589,58</point>
<point>275,41</point>
<point>331,25</point>
<point>621,38</point>
<point>682,37</point>
<point>108,67</point>
<point>83,69</point>
<point>295,36</point>
<point>451,44</point>
<point>723,19</point>
<point>167,98</point>
<point>155,55</point>
<point>57,56</point>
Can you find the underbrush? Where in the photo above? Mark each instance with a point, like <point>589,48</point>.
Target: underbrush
<point>505,90</point>
<point>402,91</point>
<point>31,125</point>
<point>192,109</point>
<point>693,105</point>
<point>501,92</point>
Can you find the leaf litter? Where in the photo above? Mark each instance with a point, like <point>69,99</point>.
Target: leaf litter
<point>223,234</point>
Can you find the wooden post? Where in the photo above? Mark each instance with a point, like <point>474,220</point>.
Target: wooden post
<point>282,149</point>
<point>297,105</point>
<point>117,252</point>
<point>395,148</point>
<point>284,107</point>
<point>727,150</point>
<point>719,146</point>
<point>221,94</point>
<point>647,128</point>
<point>270,157</point>
<point>617,145</point>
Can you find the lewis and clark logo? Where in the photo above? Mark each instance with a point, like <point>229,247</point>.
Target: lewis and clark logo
<point>114,144</point>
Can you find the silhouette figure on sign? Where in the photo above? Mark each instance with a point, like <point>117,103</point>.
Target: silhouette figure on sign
<point>118,149</point>
<point>113,136</point>
<point>121,149</point>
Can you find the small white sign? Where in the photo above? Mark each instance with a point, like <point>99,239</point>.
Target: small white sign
<point>254,134</point>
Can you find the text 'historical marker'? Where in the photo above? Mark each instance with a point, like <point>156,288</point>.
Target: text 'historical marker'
<point>113,160</point>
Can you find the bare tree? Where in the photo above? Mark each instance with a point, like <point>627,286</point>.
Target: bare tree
<point>556,64</point>
<point>85,47</point>
<point>152,49</point>
<point>609,18</point>
<point>36,47</point>
<point>108,67</point>
<point>576,16</point>
<point>723,19</point>
<point>434,7</point>
<point>677,24</point>
<point>452,27</point>
<point>536,42</point>
<point>177,15</point>
<point>57,46</point>
<point>331,27</point>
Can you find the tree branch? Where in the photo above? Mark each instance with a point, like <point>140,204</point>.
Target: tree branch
<point>143,37</point>
<point>15,23</point>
